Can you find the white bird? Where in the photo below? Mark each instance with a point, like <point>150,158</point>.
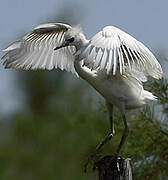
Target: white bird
<point>112,62</point>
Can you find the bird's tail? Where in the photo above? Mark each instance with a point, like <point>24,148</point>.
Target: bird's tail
<point>148,96</point>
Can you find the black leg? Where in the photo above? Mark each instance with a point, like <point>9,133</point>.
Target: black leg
<point>111,133</point>
<point>106,139</point>
<point>110,112</point>
<point>125,134</point>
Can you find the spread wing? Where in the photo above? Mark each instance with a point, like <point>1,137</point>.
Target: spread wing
<point>114,50</point>
<point>36,50</point>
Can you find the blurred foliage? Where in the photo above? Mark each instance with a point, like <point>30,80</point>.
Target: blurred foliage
<point>62,127</point>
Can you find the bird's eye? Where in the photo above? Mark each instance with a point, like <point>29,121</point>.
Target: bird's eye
<point>71,39</point>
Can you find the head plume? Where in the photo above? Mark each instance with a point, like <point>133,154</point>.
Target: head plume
<point>75,30</point>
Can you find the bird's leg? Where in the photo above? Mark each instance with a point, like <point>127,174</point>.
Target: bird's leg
<point>125,134</point>
<point>106,139</point>
<point>112,132</point>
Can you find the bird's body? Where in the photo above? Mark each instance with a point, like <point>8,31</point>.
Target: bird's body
<point>112,62</point>
<point>120,90</point>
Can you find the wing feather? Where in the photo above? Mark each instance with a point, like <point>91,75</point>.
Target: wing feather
<point>98,58</point>
<point>118,51</point>
<point>36,50</point>
<point>115,61</point>
<point>110,62</point>
<point>104,59</point>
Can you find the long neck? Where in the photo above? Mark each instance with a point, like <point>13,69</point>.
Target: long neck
<point>82,42</point>
<point>84,72</point>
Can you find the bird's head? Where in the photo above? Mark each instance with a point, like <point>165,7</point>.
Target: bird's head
<point>73,37</point>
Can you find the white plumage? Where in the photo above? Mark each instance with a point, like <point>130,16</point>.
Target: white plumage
<point>36,50</point>
<point>113,62</point>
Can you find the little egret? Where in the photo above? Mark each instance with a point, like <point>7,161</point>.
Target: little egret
<point>112,62</point>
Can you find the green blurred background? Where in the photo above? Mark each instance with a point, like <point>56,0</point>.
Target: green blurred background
<point>61,119</point>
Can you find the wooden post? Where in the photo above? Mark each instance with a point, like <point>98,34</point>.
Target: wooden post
<point>114,168</point>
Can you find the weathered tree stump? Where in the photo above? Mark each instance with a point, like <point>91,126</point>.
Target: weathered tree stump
<point>114,168</point>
